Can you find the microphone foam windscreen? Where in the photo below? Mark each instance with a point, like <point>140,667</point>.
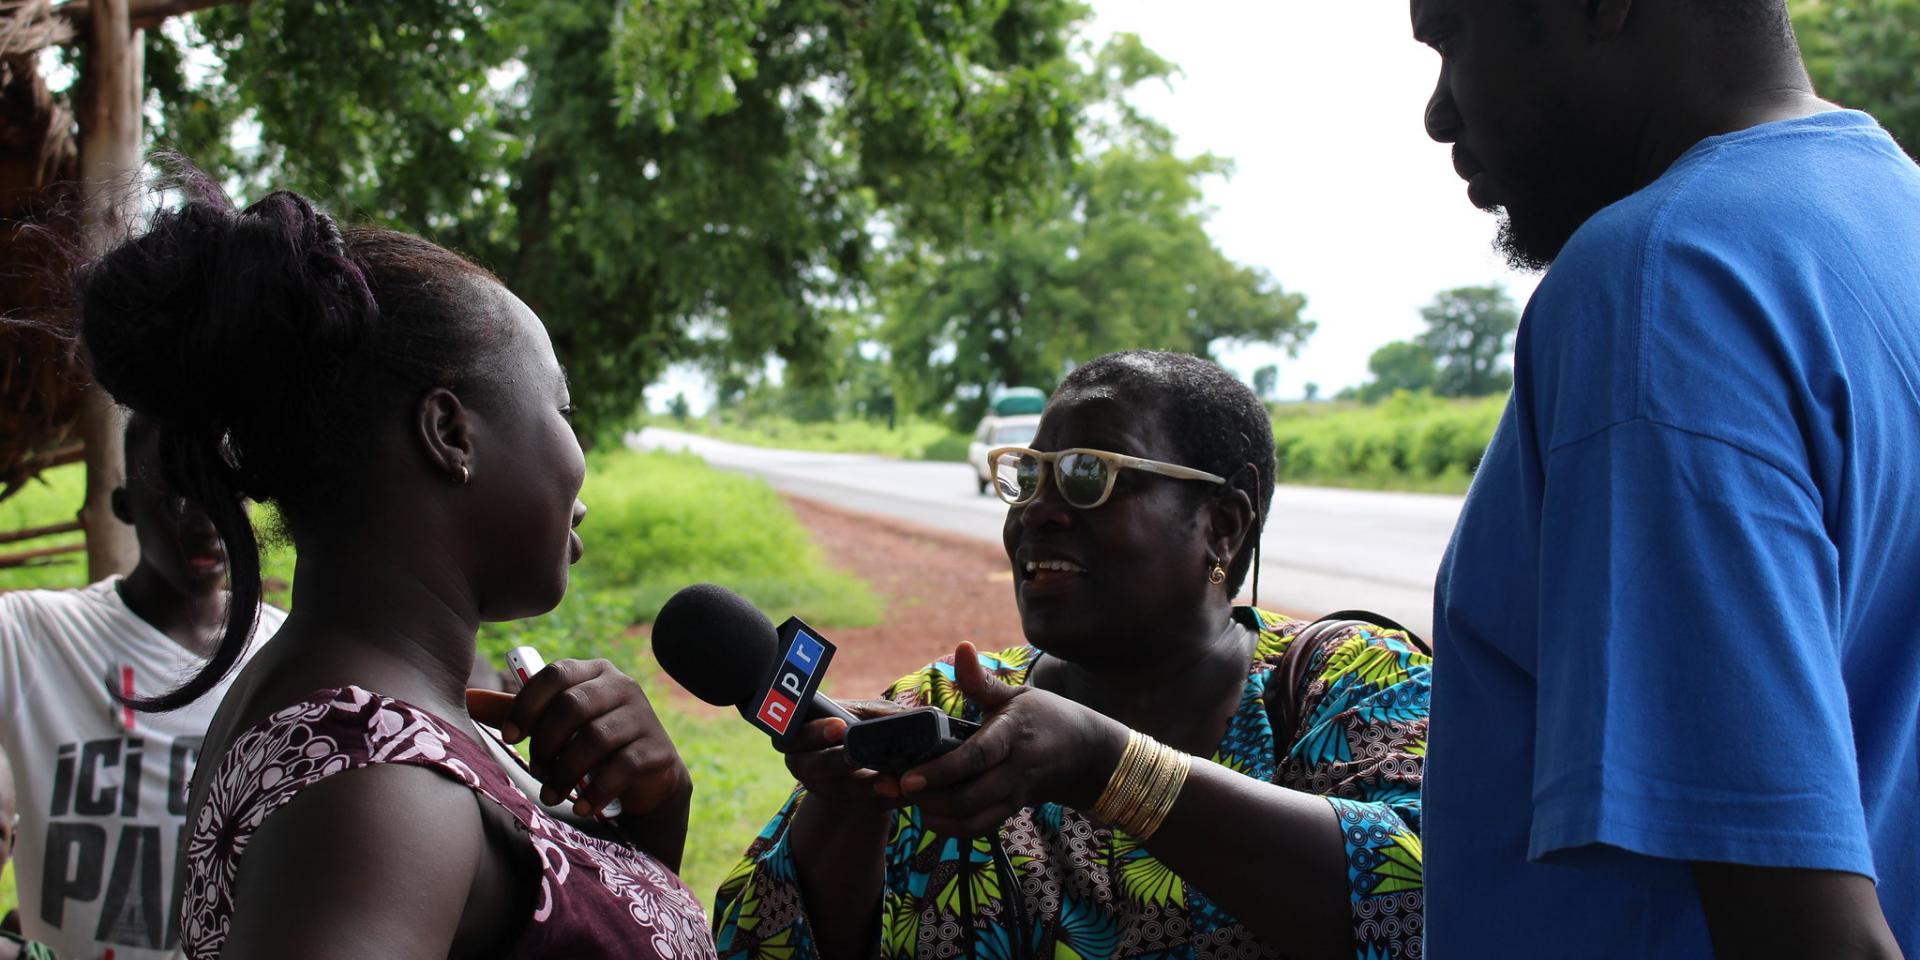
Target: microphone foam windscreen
<point>713,642</point>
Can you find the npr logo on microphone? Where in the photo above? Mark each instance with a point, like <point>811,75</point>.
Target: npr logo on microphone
<point>796,675</point>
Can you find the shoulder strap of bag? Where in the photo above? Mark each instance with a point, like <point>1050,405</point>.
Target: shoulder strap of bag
<point>1282,705</point>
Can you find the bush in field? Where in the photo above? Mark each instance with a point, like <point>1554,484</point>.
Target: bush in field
<point>1411,441</point>
<point>659,521</point>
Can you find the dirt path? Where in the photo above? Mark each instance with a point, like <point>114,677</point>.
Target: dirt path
<point>939,589</point>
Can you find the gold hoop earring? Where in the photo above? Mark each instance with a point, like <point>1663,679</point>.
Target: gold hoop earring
<point>1218,575</point>
<point>465,475</point>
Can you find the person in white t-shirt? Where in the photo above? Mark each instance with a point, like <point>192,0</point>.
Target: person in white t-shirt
<point>12,946</point>
<point>102,788</point>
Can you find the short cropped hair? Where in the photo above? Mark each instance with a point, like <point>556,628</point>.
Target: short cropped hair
<point>1215,421</point>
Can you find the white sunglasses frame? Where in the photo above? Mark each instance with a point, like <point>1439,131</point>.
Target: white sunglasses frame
<point>1124,461</point>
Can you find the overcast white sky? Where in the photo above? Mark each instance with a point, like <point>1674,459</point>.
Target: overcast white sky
<point>1337,189</point>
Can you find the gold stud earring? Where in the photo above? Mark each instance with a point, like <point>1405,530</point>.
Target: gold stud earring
<point>1218,575</point>
<point>465,475</point>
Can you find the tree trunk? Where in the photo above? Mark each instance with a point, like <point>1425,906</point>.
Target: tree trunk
<point>109,159</point>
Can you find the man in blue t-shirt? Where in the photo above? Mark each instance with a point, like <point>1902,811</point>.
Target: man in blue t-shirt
<point>1676,700</point>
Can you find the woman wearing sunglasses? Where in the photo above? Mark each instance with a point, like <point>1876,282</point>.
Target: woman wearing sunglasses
<point>1161,773</point>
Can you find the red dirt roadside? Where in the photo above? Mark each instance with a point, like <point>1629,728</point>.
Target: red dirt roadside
<point>939,589</point>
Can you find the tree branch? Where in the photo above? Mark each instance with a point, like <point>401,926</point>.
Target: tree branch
<point>141,14</point>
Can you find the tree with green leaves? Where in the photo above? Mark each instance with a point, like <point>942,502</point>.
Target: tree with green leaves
<point>1116,255</point>
<point>1865,54</point>
<point>1310,392</point>
<point>1266,382</point>
<point>660,180</point>
<point>1401,365</point>
<point>1470,335</point>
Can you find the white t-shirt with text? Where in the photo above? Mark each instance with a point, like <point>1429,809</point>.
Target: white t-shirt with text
<point>102,790</point>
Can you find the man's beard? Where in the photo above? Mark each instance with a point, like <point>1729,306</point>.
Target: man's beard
<point>1522,254</point>
<point>1531,241</point>
<point>1558,185</point>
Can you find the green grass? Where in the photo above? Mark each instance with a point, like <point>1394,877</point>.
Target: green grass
<point>54,498</point>
<point>656,522</point>
<point>911,440</point>
<point>659,521</point>
<point>1409,442</point>
<point>739,781</point>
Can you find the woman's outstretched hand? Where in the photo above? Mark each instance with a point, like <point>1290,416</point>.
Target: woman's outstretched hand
<point>816,758</point>
<point>1034,747</point>
<point>588,719</point>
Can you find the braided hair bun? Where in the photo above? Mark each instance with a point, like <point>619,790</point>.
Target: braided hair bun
<point>265,343</point>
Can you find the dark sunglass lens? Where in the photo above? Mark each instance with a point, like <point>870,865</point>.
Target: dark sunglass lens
<point>1083,478</point>
<point>1016,476</point>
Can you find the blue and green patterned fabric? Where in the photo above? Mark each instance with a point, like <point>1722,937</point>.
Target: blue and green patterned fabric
<point>1058,883</point>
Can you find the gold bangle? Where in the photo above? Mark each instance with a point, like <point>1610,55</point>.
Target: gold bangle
<point>1144,785</point>
<point>1123,790</point>
<point>1181,765</point>
<point>1152,791</point>
<point>1119,793</point>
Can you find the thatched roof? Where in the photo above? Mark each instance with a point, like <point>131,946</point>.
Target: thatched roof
<point>30,26</point>
<point>40,388</point>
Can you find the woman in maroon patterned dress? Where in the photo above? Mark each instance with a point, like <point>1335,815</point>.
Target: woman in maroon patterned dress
<point>407,416</point>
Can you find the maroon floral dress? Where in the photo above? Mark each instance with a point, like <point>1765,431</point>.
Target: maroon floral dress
<point>597,898</point>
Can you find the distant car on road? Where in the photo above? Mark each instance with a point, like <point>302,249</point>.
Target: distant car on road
<point>1013,431</point>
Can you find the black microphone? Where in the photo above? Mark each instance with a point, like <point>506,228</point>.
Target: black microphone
<point>721,649</point>
<point>714,643</point>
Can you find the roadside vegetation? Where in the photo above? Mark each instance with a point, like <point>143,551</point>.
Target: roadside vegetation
<point>908,440</point>
<point>656,522</point>
<point>1409,441</point>
<point>1420,423</point>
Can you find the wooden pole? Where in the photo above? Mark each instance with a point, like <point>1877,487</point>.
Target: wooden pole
<point>35,533</point>
<point>109,160</point>
<point>29,557</point>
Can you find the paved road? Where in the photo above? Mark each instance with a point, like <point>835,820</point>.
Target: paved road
<point>1324,549</point>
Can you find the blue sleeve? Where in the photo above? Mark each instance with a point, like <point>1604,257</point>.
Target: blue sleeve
<point>1690,698</point>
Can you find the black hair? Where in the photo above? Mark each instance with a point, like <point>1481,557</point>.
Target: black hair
<point>1765,22</point>
<point>263,345</point>
<point>1215,422</point>
<point>1734,21</point>
<point>1749,12</point>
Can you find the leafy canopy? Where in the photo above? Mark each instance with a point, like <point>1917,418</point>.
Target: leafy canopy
<point>1866,54</point>
<point>659,179</point>
<point>1402,365</point>
<point>1118,257</point>
<point>1470,334</point>
<point>1462,353</point>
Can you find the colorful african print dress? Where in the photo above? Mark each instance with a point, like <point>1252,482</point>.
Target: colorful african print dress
<point>1057,883</point>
